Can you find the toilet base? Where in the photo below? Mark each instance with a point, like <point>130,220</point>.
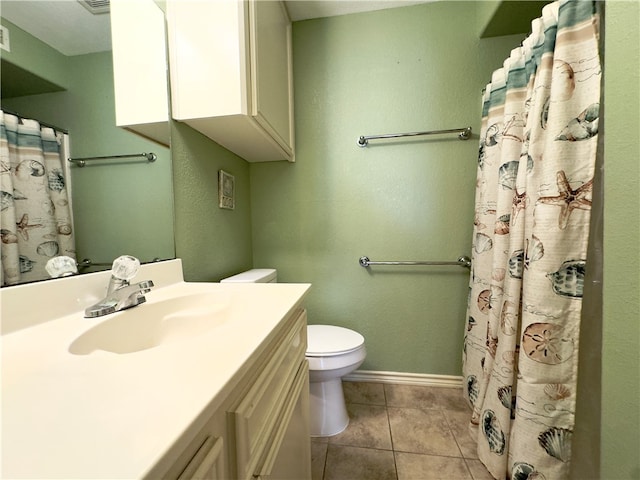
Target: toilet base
<point>328,411</point>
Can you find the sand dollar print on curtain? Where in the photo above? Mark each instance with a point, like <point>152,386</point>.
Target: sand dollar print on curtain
<point>534,192</point>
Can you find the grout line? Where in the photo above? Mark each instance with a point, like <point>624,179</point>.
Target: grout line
<point>393,450</point>
<point>453,434</point>
<point>386,408</point>
<point>361,446</point>
<point>469,469</point>
<point>324,465</point>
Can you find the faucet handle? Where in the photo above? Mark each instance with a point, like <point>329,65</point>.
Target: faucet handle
<point>125,267</point>
<point>61,266</point>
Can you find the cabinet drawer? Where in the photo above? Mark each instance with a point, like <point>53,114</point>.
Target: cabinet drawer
<point>254,419</point>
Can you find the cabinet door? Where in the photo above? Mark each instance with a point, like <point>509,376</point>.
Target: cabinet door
<point>231,74</point>
<point>271,70</point>
<point>207,463</point>
<point>289,454</point>
<point>253,421</point>
<point>140,68</point>
<point>208,69</point>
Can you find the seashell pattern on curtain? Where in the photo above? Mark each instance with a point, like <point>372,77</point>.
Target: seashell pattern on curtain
<point>532,211</point>
<point>35,215</point>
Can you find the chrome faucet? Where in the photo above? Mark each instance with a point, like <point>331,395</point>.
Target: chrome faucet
<point>120,294</point>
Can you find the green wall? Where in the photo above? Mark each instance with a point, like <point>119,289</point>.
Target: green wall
<point>485,11</point>
<point>213,243</point>
<point>400,70</point>
<point>38,58</point>
<point>621,326</point>
<point>506,17</point>
<point>123,206</point>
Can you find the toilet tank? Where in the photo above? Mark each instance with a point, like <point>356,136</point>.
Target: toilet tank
<point>256,275</point>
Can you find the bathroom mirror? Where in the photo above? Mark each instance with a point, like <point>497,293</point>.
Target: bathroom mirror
<point>120,206</point>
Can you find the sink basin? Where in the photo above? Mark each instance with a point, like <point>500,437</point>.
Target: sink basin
<point>150,325</point>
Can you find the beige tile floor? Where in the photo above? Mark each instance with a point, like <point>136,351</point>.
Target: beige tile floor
<point>400,432</point>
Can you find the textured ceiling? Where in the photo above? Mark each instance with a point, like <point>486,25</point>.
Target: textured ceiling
<point>69,28</point>
<point>64,25</point>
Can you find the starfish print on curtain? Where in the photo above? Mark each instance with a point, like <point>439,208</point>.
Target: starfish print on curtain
<point>568,199</point>
<point>24,226</point>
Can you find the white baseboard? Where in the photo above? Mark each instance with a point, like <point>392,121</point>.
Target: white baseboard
<point>422,379</point>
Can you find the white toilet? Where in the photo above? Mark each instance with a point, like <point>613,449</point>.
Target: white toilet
<point>332,352</point>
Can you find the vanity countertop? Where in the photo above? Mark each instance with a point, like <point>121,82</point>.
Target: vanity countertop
<point>109,415</point>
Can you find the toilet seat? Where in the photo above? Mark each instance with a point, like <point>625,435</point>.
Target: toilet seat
<point>332,353</point>
<point>328,340</point>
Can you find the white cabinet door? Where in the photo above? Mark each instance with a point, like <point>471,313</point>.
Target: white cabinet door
<point>288,456</point>
<point>271,71</point>
<point>207,52</point>
<point>256,419</point>
<point>231,74</point>
<point>207,463</point>
<point>140,68</point>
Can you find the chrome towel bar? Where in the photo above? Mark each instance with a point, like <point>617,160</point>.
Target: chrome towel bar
<point>463,134</point>
<point>151,157</point>
<point>86,263</point>
<point>463,261</point>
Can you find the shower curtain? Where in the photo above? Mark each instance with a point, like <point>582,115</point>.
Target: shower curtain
<point>35,218</point>
<point>534,184</point>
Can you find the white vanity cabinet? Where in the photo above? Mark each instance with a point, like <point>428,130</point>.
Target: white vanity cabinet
<point>140,68</point>
<point>231,74</point>
<point>260,429</point>
<point>221,393</point>
<point>207,463</point>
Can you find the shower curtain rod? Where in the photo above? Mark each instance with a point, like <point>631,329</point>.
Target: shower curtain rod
<point>463,134</point>
<point>462,261</point>
<point>151,157</point>
<point>42,124</point>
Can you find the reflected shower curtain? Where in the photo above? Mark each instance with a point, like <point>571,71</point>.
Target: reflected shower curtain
<point>533,199</point>
<point>35,217</point>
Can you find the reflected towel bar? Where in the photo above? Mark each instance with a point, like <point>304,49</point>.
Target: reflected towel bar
<point>86,263</point>
<point>463,134</point>
<point>151,157</point>
<point>461,262</point>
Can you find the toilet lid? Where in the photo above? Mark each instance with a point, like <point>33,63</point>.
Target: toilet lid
<point>331,340</point>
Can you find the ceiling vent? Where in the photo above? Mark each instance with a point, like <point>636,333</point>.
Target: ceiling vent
<point>95,6</point>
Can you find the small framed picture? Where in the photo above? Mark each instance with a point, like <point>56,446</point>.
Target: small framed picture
<point>4,39</point>
<point>226,190</point>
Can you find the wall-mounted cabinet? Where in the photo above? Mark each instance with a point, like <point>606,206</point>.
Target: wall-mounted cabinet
<point>140,68</point>
<point>231,74</point>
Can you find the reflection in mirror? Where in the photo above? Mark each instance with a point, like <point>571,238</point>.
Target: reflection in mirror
<point>117,206</point>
